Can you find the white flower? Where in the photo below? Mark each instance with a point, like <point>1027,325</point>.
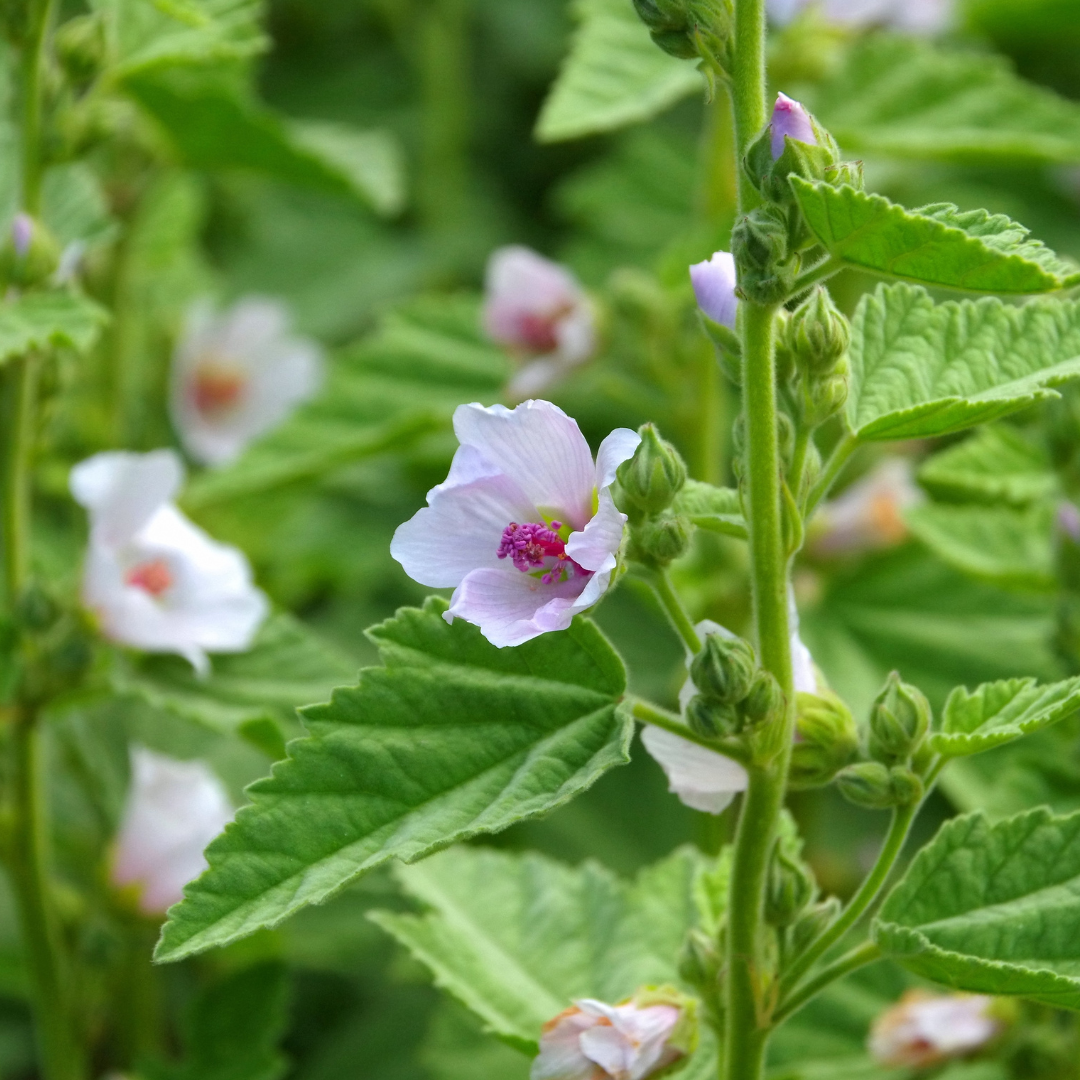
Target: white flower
<point>913,16</point>
<point>537,309</point>
<point>237,375</point>
<point>154,580</point>
<point>173,810</point>
<point>524,529</point>
<point>870,513</point>
<point>596,1041</point>
<point>925,1029</point>
<point>704,779</point>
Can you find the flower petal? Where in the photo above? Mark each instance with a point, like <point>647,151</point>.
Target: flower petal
<point>560,1056</point>
<point>702,779</point>
<point>538,446</point>
<point>596,546</point>
<point>618,447</point>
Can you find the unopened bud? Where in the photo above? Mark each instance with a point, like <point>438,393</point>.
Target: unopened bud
<point>711,719</point>
<point>828,739</point>
<point>877,787</point>
<point>825,397</point>
<point>659,541</point>
<point>690,29</point>
<point>765,702</point>
<point>700,961</point>
<point>791,888</point>
<point>846,173</point>
<point>789,121</point>
<point>760,240</point>
<point>30,255</point>
<point>724,669</point>
<point>818,334</point>
<point>813,921</point>
<point>22,232</point>
<point>899,721</point>
<point>652,478</point>
<point>81,47</point>
<point>714,288</point>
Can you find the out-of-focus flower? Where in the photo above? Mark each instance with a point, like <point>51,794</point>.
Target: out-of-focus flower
<point>524,529</point>
<point>714,288</point>
<point>704,779</point>
<point>790,120</point>
<point>237,375</point>
<point>22,232</point>
<point>537,309</point>
<point>173,810</point>
<point>870,513</point>
<point>153,579</point>
<point>630,1041</point>
<point>925,1029</point>
<point>913,16</point>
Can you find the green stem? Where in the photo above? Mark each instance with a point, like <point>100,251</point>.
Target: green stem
<point>710,423</point>
<point>868,892</point>
<point>673,607</point>
<point>748,89</point>
<point>821,272</point>
<point>851,961</point>
<point>39,16</point>
<point>20,398</point>
<point>648,713</point>
<point>837,460</point>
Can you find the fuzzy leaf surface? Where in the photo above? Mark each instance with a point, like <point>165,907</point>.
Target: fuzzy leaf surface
<point>451,739</point>
<point>936,245</point>
<point>1000,712</point>
<point>996,464</point>
<point>920,369</point>
<point>993,908</point>
<point>614,75</point>
<point>39,321</point>
<point>713,508</point>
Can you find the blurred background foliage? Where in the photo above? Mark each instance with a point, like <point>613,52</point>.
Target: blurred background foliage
<point>360,159</point>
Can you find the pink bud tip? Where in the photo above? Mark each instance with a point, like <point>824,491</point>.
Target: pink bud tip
<point>22,232</point>
<point>790,119</point>
<point>714,287</point>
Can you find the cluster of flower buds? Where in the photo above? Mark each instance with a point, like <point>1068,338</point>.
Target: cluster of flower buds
<point>643,1036</point>
<point>692,29</point>
<point>648,485</point>
<point>924,1030</point>
<point>816,339</point>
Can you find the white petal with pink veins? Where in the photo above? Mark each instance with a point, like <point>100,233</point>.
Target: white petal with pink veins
<point>560,1056</point>
<point>618,447</point>
<point>702,779</point>
<point>596,546</point>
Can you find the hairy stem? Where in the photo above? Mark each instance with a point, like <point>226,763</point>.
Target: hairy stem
<point>39,16</point>
<point>820,272</point>
<point>648,713</point>
<point>676,613</point>
<point>851,961</point>
<point>748,89</point>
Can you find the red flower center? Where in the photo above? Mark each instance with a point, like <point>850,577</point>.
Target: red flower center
<point>153,577</point>
<point>217,388</point>
<point>530,546</point>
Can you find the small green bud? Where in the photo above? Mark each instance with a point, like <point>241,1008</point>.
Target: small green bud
<point>845,173</point>
<point>652,478</point>
<point>823,398</point>
<point>690,29</point>
<point>899,721</point>
<point>877,787</point>
<point>658,541</point>
<point>724,669</point>
<point>29,255</point>
<point>812,923</point>
<point>828,739</point>
<point>907,787</point>
<point>791,887</point>
<point>760,240</point>
<point>765,702</point>
<point>817,333</point>
<point>700,961</point>
<point>81,47</point>
<point>711,719</point>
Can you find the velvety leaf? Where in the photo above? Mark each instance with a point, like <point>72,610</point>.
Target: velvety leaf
<point>920,369</point>
<point>708,507</point>
<point>452,738</point>
<point>39,321</point>
<point>613,75</point>
<point>1000,712</point>
<point>993,908</point>
<point>913,99</point>
<point>935,245</point>
<point>1001,545</point>
<point>213,124</point>
<point>517,937</point>
<point>996,464</point>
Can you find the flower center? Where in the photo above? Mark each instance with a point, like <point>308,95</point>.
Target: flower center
<point>538,331</point>
<point>531,545</point>
<point>217,388</point>
<point>153,577</point>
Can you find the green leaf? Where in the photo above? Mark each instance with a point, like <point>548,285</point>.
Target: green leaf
<point>286,667</point>
<point>936,245</point>
<point>213,123</point>
<point>614,75</point>
<point>920,369</point>
<point>998,544</point>
<point>1000,712</point>
<point>451,739</point>
<point>912,99</point>
<point>716,509</point>
<point>42,320</point>
<point>996,464</point>
<point>993,908</point>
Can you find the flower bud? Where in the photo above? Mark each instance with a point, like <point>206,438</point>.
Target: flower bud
<point>846,174</point>
<point>652,478</point>
<point>714,288</point>
<point>690,29</point>
<point>818,334</point>
<point>924,1030</point>
<point>724,669</point>
<point>700,961</point>
<point>760,240</point>
<point>765,702</point>
<point>81,47</point>
<point>30,255</point>
<point>813,921</point>
<point>828,739</point>
<point>823,398</point>
<point>899,721</point>
<point>877,787</point>
<point>789,121</point>
<point>660,540</point>
<point>711,719</point>
<point>791,887</point>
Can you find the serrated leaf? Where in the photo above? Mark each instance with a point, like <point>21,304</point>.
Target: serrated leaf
<point>451,739</point>
<point>998,544</point>
<point>993,908</point>
<point>713,508</point>
<point>920,369</point>
<point>39,321</point>
<point>212,123</point>
<point>997,713</point>
<point>913,99</point>
<point>936,245</point>
<point>996,464</point>
<point>287,666</point>
<point>614,75</point>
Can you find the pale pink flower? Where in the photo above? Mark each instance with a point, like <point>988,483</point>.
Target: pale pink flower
<point>154,580</point>
<point>237,375</point>
<point>925,1029</point>
<point>790,120</point>
<point>173,810</point>
<point>704,779</point>
<point>596,1041</point>
<point>524,529</point>
<point>714,288</point>
<point>870,513</point>
<point>537,309</point>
